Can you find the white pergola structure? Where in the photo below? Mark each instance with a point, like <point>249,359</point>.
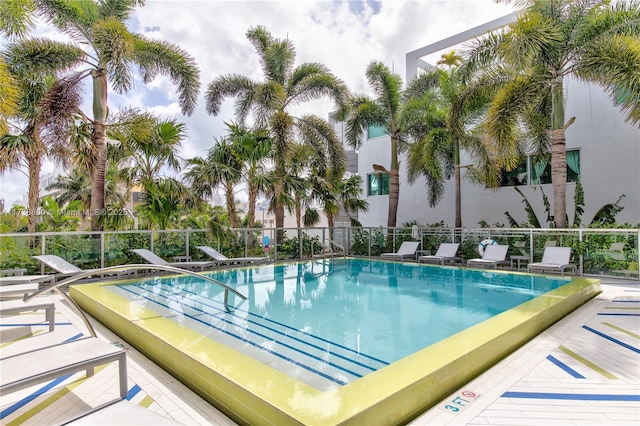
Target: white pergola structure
<point>414,61</point>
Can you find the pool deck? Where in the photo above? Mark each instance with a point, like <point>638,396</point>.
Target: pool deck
<point>583,370</point>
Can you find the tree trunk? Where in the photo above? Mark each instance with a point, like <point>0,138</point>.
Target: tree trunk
<point>394,185</point>
<point>458,201</point>
<point>231,205</point>
<point>251,214</point>
<point>298,211</point>
<point>34,159</point>
<point>559,177</point>
<point>330,225</point>
<point>558,155</point>
<point>99,139</point>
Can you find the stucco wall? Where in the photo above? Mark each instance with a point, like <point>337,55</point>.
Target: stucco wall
<point>610,166</point>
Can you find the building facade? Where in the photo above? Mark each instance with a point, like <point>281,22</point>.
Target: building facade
<point>602,150</point>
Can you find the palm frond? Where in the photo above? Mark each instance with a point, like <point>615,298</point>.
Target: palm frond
<point>318,133</point>
<point>386,85</point>
<point>9,97</point>
<point>481,53</point>
<point>73,17</point>
<point>40,57</point>
<point>119,9</point>
<point>510,102</point>
<point>16,17</point>
<point>230,85</point>
<point>276,56</point>
<point>116,46</point>
<point>363,112</point>
<point>314,85</point>
<point>420,85</point>
<point>171,60</point>
<point>613,63</point>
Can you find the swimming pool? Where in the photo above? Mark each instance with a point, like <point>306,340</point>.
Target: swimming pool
<point>331,341</point>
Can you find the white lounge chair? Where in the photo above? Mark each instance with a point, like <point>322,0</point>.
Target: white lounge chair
<point>494,255</point>
<point>153,258</point>
<point>407,250</point>
<point>554,259</point>
<point>224,260</point>
<point>9,307</point>
<point>65,269</point>
<point>15,290</point>
<point>446,253</point>
<point>30,368</point>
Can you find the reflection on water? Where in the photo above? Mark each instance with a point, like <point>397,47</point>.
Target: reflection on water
<point>387,310</point>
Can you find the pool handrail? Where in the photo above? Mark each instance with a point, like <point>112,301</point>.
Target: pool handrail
<point>56,286</point>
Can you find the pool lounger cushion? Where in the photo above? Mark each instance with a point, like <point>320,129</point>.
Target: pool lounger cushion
<point>30,368</point>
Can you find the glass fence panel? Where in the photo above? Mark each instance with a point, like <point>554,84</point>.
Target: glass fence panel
<point>610,252</point>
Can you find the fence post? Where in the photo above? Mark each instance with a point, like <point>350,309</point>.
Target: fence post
<point>102,249</point>
<point>581,257</point>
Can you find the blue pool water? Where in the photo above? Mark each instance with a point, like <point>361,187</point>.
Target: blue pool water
<point>330,322</point>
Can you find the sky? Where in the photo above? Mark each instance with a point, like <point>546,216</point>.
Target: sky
<point>343,35</point>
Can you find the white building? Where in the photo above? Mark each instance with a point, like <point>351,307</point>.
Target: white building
<point>603,149</point>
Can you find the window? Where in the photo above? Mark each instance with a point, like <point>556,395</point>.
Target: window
<point>378,184</point>
<point>541,169</point>
<point>621,95</point>
<point>537,172</point>
<point>517,176</point>
<point>376,131</point>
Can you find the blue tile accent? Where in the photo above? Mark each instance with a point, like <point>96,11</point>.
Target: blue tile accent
<point>565,367</point>
<point>624,345</point>
<point>571,396</point>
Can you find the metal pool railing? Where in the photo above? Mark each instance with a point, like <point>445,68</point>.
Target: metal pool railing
<point>101,271</point>
<point>606,252</point>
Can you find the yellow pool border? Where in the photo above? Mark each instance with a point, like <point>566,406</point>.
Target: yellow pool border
<point>250,392</point>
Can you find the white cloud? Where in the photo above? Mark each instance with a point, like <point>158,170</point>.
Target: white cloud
<point>344,37</point>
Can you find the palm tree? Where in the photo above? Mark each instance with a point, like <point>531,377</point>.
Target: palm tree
<point>270,101</point>
<point>25,151</point>
<point>56,218</point>
<point>164,201</point>
<point>111,52</point>
<point>221,167</point>
<point>593,41</point>
<point>335,196</point>
<point>75,187</point>
<point>252,148</point>
<point>146,144</point>
<point>383,111</point>
<point>440,120</point>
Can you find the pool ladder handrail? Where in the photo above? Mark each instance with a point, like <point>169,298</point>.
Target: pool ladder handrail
<point>328,244</point>
<point>56,287</point>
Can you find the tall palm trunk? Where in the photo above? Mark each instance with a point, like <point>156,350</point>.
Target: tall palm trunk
<point>33,155</point>
<point>35,164</point>
<point>394,184</point>
<point>558,155</point>
<point>279,192</point>
<point>458,201</point>
<point>99,139</point>
<point>231,205</point>
<point>251,214</point>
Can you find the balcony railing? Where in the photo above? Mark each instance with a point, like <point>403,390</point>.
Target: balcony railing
<point>610,252</point>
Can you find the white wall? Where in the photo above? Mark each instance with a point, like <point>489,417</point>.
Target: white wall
<point>610,166</point>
